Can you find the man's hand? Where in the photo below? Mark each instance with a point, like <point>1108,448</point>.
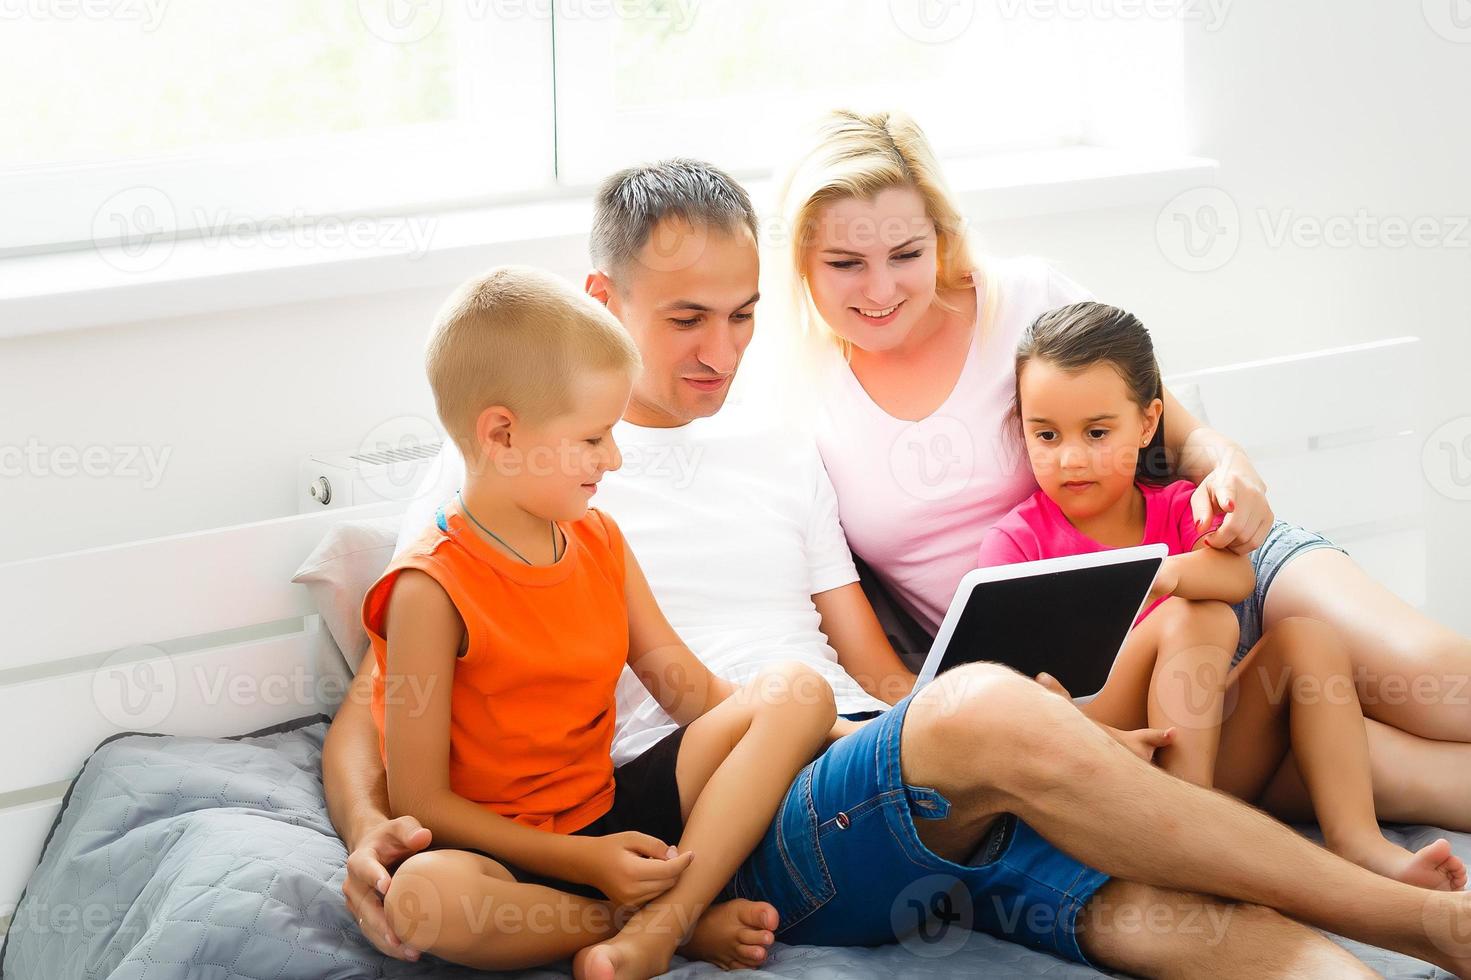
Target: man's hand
<point>632,869</point>
<point>1143,742</point>
<point>367,880</point>
<point>1241,499</point>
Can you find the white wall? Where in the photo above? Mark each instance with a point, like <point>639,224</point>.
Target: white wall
<point>1324,109</point>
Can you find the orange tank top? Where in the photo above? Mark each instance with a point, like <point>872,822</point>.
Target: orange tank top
<point>532,704</point>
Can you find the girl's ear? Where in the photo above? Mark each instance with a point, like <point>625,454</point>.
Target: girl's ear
<point>1153,412</point>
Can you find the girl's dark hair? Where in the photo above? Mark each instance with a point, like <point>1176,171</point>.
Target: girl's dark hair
<point>1079,336</point>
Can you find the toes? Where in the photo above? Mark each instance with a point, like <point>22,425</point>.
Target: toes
<point>758,915</point>
<point>754,937</point>
<point>752,956</point>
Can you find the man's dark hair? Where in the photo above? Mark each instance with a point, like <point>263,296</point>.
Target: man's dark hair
<point>632,202</point>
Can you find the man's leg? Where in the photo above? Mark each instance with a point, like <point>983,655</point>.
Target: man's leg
<point>1156,932</point>
<point>995,742</point>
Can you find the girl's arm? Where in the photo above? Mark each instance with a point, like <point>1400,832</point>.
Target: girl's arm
<point>424,636</point>
<point>863,649</point>
<point>1224,474</point>
<point>684,687</point>
<point>1206,573</point>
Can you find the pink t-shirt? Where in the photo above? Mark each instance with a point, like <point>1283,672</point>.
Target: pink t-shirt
<point>915,498</point>
<point>1038,529</point>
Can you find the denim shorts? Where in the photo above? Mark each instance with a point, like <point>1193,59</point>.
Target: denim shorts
<point>1284,542</point>
<point>844,865</point>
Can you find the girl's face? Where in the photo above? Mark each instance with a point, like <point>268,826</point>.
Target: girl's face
<point>871,267</point>
<point>1084,433</point>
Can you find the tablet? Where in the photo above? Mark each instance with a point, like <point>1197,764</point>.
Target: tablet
<point>1066,616</point>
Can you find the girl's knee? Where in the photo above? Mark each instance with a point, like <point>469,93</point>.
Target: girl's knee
<point>795,688</point>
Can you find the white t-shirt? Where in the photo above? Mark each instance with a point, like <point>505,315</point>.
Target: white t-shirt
<point>735,525</point>
<point>916,498</point>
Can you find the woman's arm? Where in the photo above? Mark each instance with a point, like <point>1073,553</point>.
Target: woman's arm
<point>863,650</point>
<point>681,683</point>
<point>1228,483</point>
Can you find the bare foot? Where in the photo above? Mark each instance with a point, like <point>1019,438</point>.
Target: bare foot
<point>733,935</point>
<point>1433,866</point>
<point>633,954</point>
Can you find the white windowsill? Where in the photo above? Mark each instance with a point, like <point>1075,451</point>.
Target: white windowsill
<point>93,287</point>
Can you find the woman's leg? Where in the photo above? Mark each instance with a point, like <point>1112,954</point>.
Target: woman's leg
<point>467,908</point>
<point>1296,684</point>
<point>736,763</point>
<point>1416,780</point>
<point>1411,672</point>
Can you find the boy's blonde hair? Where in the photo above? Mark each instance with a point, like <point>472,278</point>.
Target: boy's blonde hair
<point>858,154</point>
<point>517,336</point>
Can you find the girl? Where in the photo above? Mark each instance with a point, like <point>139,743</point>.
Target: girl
<point>1087,406</point>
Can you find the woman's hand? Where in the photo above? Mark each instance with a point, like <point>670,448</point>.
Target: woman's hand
<point>1235,491</point>
<point>632,869</point>
<point>367,880</point>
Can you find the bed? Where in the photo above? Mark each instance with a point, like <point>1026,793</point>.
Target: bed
<point>161,801</point>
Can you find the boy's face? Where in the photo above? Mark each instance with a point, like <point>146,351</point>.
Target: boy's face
<point>689,303</point>
<point>556,464</point>
<point>1084,433</point>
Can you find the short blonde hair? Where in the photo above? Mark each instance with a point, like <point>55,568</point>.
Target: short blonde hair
<point>860,155</point>
<point>516,336</point>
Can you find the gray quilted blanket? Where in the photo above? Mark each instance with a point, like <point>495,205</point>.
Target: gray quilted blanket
<point>194,858</point>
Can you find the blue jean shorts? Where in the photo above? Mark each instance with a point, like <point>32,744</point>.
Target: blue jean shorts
<point>844,865</point>
<point>1284,542</point>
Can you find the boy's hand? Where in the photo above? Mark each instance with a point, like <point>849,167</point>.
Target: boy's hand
<point>1167,581</point>
<point>632,869</point>
<point>1143,742</point>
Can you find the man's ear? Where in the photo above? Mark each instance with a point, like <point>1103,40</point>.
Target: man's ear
<point>1152,415</point>
<point>599,287</point>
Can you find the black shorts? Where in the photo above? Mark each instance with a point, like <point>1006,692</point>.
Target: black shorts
<point>645,799</point>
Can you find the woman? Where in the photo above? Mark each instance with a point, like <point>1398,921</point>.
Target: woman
<point>906,341</point>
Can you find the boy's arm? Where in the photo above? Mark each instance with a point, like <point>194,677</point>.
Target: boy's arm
<point>681,683</point>
<point>1207,573</point>
<point>863,649</point>
<point>424,635</point>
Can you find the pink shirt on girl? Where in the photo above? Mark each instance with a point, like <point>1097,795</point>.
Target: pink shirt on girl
<point>1037,529</point>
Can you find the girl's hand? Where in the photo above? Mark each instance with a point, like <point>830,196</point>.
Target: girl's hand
<point>1143,742</point>
<point>632,869</point>
<point>1241,498</point>
<point>1167,581</point>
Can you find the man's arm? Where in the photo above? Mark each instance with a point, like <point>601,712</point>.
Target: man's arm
<point>1228,482</point>
<point>863,649</point>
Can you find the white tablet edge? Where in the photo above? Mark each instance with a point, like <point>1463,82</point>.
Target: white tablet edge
<point>1001,573</point>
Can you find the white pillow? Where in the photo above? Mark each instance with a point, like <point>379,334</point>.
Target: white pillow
<point>339,572</point>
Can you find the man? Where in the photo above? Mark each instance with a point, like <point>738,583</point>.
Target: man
<point>968,784</point>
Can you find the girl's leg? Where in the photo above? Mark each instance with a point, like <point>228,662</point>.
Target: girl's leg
<point>1416,780</point>
<point>467,908</point>
<point>1123,702</point>
<point>1412,672</point>
<point>1188,689</point>
<point>736,763</point>
<point>1295,684</point>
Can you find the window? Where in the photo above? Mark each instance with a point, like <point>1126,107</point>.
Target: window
<point>152,117</point>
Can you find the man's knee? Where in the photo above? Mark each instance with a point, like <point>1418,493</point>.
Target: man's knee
<point>1146,929</point>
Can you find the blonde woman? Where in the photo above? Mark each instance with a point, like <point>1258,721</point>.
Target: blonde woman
<point>905,340</point>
